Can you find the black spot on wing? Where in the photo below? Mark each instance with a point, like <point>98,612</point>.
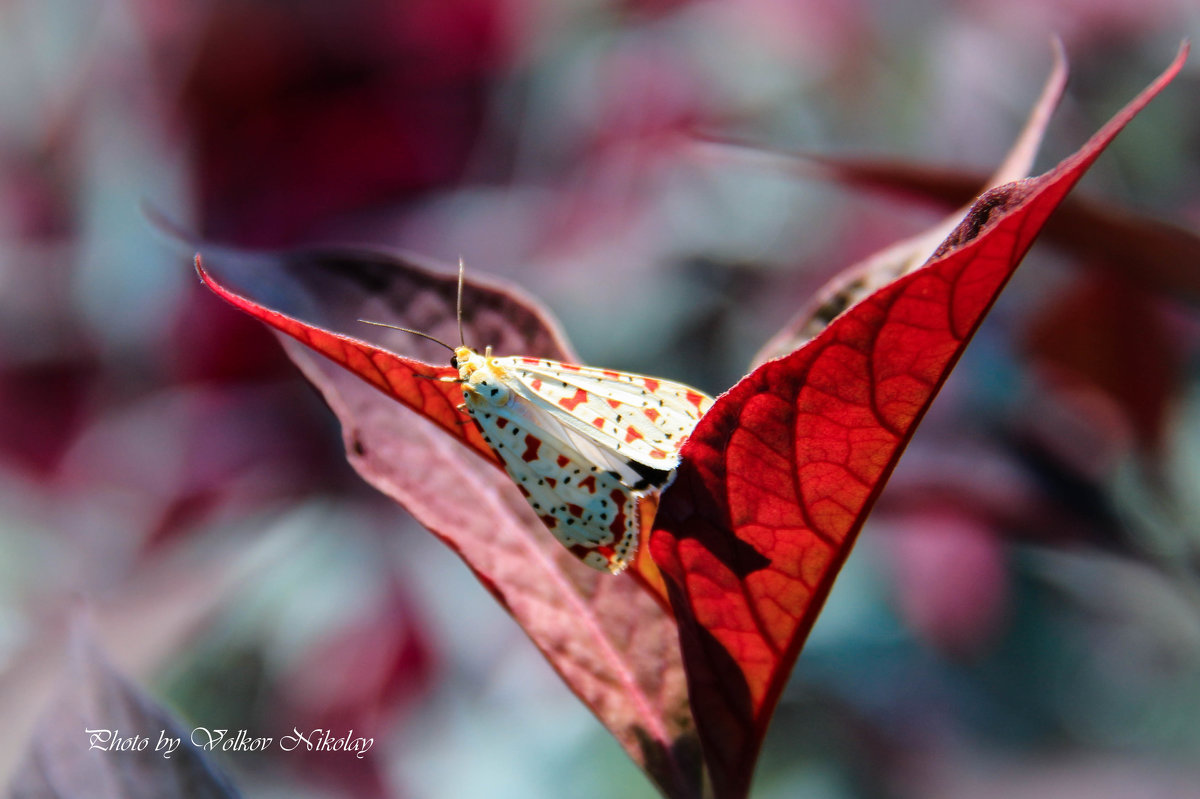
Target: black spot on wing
<point>650,477</point>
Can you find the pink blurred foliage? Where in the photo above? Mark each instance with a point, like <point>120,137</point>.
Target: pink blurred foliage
<point>53,398</point>
<point>47,368</point>
<point>133,454</point>
<point>300,113</point>
<point>208,345</point>
<point>809,31</point>
<point>296,119</point>
<point>1107,335</point>
<point>362,677</point>
<point>632,130</point>
<point>950,578</point>
<point>1085,24</point>
<point>176,458</point>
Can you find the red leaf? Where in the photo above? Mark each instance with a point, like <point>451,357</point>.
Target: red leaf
<point>1139,248</point>
<point>778,477</point>
<point>411,382</point>
<point>908,255</point>
<point>612,641</point>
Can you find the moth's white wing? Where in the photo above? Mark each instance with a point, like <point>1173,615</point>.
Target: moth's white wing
<point>644,419</point>
<point>583,503</point>
<point>552,424</point>
<point>585,446</point>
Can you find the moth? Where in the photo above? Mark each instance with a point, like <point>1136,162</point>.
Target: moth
<point>588,448</point>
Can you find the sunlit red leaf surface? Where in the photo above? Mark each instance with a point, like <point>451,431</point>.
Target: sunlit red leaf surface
<point>611,640</point>
<point>409,381</point>
<point>792,458</point>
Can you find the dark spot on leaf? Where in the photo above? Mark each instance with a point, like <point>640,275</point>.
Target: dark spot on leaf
<point>991,201</point>
<point>374,272</point>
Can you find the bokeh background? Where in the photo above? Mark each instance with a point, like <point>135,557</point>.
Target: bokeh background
<point>1022,615</point>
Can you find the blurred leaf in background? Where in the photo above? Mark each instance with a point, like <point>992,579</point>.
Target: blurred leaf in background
<point>1022,616</point>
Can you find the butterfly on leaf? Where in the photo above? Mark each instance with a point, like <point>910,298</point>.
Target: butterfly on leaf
<point>588,448</point>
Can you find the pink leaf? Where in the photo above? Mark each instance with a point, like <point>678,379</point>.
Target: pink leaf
<point>611,640</point>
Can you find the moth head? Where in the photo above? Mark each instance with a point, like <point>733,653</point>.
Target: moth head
<point>466,361</point>
<point>481,376</point>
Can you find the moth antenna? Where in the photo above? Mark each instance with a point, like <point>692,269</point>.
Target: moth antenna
<point>408,330</point>
<point>458,306</point>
